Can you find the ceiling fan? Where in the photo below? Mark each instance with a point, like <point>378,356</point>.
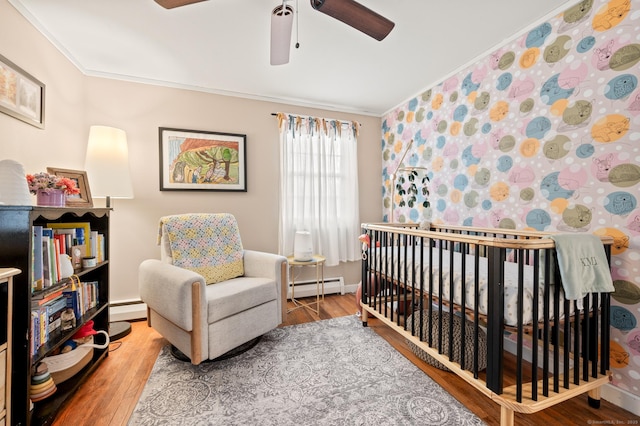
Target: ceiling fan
<point>350,12</point>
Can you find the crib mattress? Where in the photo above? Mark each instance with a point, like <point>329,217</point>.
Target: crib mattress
<point>397,255</point>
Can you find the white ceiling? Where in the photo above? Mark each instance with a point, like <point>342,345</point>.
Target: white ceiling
<point>222,46</point>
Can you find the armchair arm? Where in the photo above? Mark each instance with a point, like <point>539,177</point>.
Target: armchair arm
<point>269,265</point>
<point>167,289</point>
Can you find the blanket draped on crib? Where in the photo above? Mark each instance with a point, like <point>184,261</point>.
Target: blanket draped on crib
<point>583,265</point>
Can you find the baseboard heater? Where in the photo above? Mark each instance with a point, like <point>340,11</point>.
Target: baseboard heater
<point>307,288</point>
<point>124,310</point>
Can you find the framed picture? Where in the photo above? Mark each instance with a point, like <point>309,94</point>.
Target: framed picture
<point>21,95</point>
<point>201,160</point>
<point>82,199</point>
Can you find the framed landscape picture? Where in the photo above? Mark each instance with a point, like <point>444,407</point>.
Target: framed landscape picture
<point>202,160</point>
<point>82,199</point>
<point>21,95</point>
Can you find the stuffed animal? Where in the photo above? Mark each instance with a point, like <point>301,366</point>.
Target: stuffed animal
<point>82,336</point>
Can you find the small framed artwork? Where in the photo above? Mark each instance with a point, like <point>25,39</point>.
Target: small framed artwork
<point>21,95</point>
<point>83,198</point>
<point>202,160</point>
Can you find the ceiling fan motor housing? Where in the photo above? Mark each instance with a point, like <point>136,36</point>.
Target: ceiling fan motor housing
<point>281,25</point>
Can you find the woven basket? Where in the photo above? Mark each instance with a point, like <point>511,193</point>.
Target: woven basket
<point>457,337</point>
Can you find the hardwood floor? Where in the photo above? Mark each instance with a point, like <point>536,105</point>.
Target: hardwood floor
<point>110,394</point>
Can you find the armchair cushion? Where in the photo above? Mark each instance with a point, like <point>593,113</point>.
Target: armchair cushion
<point>237,295</point>
<point>208,244</point>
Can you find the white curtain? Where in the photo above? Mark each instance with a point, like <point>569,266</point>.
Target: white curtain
<point>319,186</point>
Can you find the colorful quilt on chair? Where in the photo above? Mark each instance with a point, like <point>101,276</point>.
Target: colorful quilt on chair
<point>208,244</point>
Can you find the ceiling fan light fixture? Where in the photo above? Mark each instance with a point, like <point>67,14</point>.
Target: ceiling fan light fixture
<point>170,4</point>
<point>281,25</point>
<point>356,15</point>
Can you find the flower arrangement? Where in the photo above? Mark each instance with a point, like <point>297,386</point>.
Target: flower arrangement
<point>47,182</point>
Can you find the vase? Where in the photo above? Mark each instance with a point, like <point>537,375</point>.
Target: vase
<point>51,198</point>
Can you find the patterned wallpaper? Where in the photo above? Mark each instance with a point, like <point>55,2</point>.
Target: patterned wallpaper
<point>543,133</point>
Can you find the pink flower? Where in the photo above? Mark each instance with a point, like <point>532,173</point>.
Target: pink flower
<point>46,182</point>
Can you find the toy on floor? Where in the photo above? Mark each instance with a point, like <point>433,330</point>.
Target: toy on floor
<point>83,335</point>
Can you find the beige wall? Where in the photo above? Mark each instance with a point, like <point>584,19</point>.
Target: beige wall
<point>74,102</point>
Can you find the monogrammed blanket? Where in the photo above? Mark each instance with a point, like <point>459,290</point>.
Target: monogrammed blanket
<point>583,265</point>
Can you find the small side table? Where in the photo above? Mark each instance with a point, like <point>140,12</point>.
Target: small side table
<point>6,277</point>
<point>318,262</point>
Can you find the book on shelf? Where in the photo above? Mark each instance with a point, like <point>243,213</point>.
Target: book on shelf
<point>46,269</point>
<point>56,258</point>
<point>72,300</point>
<point>101,256</point>
<point>41,328</point>
<point>35,332</point>
<point>49,242</point>
<point>82,297</point>
<point>81,230</point>
<point>97,246</point>
<point>38,277</point>
<point>53,269</point>
<point>69,237</point>
<point>54,309</point>
<point>46,296</point>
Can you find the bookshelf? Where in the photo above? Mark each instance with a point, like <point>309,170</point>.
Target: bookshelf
<point>17,251</point>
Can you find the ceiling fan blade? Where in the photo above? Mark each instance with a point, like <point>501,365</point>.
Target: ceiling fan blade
<point>355,15</point>
<point>170,4</point>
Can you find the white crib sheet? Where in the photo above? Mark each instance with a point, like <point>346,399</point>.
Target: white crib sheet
<point>510,285</point>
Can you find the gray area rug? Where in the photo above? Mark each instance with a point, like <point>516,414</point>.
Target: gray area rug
<point>332,372</point>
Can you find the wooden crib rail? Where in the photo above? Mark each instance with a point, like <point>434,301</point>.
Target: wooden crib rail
<point>493,237</point>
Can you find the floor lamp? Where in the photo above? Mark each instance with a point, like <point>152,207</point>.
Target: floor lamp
<point>107,167</point>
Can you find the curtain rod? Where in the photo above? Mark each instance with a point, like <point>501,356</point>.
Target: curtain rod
<point>336,119</point>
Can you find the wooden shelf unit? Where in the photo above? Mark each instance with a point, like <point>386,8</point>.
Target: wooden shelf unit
<point>16,224</point>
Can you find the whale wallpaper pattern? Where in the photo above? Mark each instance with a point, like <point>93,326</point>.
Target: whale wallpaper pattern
<point>543,133</point>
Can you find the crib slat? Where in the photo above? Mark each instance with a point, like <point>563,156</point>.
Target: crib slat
<point>384,282</point>
<point>592,337</point>
<point>451,299</point>
<point>463,304</point>
<point>520,254</point>
<point>476,311</point>
<point>534,321</point>
<point>567,339</point>
<point>495,320</point>
<point>422,291</point>
<point>556,330</point>
<point>440,292</point>
<point>546,336</point>
<point>604,339</point>
<point>431,284</point>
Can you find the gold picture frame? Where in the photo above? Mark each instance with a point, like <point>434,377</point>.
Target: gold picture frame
<point>83,199</point>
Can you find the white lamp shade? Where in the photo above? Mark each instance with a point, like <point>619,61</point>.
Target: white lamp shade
<point>14,190</point>
<point>281,24</point>
<point>107,163</point>
<point>302,246</point>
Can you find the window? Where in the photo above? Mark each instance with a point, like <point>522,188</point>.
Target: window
<point>319,186</point>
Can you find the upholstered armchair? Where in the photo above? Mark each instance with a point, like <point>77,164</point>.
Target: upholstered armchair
<point>207,295</point>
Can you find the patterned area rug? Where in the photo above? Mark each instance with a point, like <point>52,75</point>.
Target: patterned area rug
<point>332,372</point>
